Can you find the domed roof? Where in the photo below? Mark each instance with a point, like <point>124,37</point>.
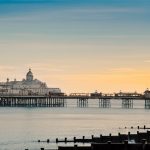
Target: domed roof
<point>147,91</point>
<point>29,76</point>
<point>29,73</point>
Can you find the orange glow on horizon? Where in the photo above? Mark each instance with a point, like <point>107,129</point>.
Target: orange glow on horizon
<point>112,80</point>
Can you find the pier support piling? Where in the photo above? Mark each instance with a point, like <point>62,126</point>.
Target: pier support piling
<point>147,103</point>
<point>29,101</point>
<point>82,102</point>
<point>127,103</point>
<point>104,103</point>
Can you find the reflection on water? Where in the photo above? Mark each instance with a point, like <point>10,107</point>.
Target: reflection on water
<point>20,128</point>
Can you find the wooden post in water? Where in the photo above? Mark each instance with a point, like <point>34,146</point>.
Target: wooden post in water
<point>126,144</point>
<point>74,139</point>
<point>110,137</point>
<point>138,136</point>
<point>56,140</point>
<point>101,137</point>
<point>75,147</point>
<point>48,140</point>
<point>65,140</point>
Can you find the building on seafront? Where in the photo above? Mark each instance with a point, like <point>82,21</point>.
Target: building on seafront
<point>28,86</point>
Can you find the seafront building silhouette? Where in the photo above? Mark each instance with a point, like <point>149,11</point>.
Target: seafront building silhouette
<point>28,86</point>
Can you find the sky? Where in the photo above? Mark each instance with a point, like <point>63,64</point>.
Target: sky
<point>77,45</point>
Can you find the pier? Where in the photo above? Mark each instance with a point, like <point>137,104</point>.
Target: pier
<point>82,100</point>
<point>32,101</point>
<point>31,92</point>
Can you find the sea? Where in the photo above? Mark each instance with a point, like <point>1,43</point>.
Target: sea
<point>21,128</point>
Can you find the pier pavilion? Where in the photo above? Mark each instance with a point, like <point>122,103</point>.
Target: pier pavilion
<point>28,86</point>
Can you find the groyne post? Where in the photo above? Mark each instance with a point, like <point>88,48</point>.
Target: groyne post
<point>56,140</point>
<point>65,140</point>
<point>74,139</point>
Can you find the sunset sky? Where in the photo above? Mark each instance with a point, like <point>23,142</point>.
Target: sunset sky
<point>77,45</point>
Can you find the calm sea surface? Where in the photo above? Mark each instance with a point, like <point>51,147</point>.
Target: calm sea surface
<point>20,128</point>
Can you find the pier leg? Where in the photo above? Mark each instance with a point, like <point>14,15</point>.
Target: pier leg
<point>127,103</point>
<point>147,104</point>
<point>104,103</point>
<point>56,102</point>
<point>82,102</point>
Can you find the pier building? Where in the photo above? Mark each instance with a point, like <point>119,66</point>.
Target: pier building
<point>147,94</point>
<point>28,86</point>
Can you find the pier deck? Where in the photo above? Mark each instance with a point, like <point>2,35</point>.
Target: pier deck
<point>61,101</point>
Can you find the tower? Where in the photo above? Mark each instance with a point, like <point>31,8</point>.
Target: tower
<point>29,76</point>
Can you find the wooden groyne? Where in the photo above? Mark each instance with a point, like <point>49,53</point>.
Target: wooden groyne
<point>106,146</point>
<point>120,138</point>
<point>120,146</point>
<point>135,138</point>
<point>109,146</point>
<point>138,141</point>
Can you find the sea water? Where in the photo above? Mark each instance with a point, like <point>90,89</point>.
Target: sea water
<point>21,128</point>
